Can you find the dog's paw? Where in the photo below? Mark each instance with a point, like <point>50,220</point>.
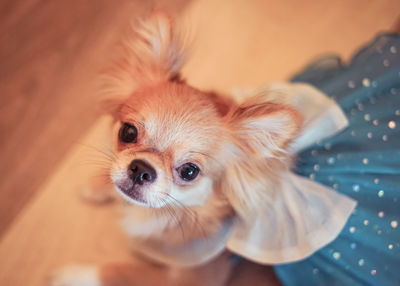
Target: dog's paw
<point>76,275</point>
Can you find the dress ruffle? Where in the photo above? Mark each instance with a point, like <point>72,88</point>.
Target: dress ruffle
<point>362,162</point>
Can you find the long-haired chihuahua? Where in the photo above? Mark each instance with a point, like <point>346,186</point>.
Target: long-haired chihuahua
<point>189,162</point>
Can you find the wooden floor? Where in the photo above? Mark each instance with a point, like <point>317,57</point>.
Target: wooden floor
<point>50,53</point>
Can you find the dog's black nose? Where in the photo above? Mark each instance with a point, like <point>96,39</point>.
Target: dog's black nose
<point>141,172</point>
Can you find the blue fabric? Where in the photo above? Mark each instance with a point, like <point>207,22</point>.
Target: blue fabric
<point>362,162</point>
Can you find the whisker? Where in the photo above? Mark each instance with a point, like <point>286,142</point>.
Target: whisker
<point>187,211</point>
<point>95,163</point>
<point>173,215</point>
<point>109,154</point>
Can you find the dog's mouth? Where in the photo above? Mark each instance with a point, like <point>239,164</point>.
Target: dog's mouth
<point>132,193</point>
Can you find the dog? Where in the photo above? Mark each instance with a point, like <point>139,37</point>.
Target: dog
<point>189,162</point>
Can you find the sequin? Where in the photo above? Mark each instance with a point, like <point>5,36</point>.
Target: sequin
<point>386,62</point>
<point>397,112</point>
<point>352,133</point>
<point>335,186</point>
<point>379,232</point>
<point>366,82</point>
<point>384,137</point>
<point>381,214</point>
<point>376,181</point>
<point>351,84</point>
<point>360,107</point>
<point>361,262</point>
<point>381,193</point>
<point>373,272</point>
<point>393,91</point>
<point>352,229</point>
<point>314,153</point>
<point>316,167</point>
<point>375,122</point>
<point>369,135</point>
<point>393,223</point>
<point>312,176</point>
<point>393,49</point>
<point>392,124</point>
<point>336,255</point>
<point>315,270</point>
<point>356,187</point>
<point>374,84</point>
<point>367,117</point>
<point>353,245</point>
<point>331,160</point>
<point>328,146</point>
<point>390,246</point>
<point>366,222</point>
<point>365,161</point>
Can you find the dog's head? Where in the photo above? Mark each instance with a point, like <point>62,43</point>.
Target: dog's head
<point>176,145</point>
<point>168,144</point>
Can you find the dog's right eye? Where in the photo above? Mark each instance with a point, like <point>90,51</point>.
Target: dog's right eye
<point>188,171</point>
<point>128,133</point>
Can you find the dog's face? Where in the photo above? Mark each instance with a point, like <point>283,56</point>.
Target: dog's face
<point>174,144</point>
<point>169,146</point>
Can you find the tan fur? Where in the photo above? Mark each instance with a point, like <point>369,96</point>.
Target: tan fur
<point>152,51</point>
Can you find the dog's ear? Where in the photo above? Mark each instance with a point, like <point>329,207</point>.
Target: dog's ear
<point>158,48</point>
<point>152,51</point>
<point>260,132</point>
<point>281,217</point>
<point>264,129</point>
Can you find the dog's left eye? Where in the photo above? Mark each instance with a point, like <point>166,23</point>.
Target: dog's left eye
<point>188,171</point>
<point>128,133</point>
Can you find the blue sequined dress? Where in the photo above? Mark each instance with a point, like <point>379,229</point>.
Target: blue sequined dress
<point>362,162</point>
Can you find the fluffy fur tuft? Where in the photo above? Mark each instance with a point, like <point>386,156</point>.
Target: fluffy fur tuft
<point>153,51</point>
